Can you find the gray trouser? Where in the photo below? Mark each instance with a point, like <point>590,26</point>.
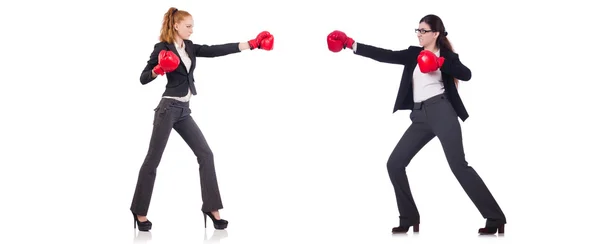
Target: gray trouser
<point>431,118</point>
<point>172,114</point>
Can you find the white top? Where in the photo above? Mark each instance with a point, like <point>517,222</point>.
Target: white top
<point>425,85</point>
<point>187,62</point>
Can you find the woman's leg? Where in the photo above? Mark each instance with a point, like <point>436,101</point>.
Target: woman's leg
<point>414,139</point>
<point>191,134</point>
<point>444,123</point>
<point>163,124</point>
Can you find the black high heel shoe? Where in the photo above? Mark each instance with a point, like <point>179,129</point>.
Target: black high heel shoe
<point>142,226</point>
<point>404,229</point>
<point>219,224</point>
<point>491,230</point>
<point>492,226</point>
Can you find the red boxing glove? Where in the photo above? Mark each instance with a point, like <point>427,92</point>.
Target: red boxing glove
<point>167,62</point>
<point>428,62</point>
<point>263,40</point>
<point>337,40</point>
<point>267,43</point>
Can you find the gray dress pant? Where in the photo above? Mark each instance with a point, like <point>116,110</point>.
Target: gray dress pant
<point>172,114</point>
<point>431,118</point>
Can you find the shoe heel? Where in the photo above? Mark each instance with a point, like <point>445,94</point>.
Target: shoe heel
<point>134,221</point>
<point>416,228</point>
<point>204,220</point>
<point>501,229</point>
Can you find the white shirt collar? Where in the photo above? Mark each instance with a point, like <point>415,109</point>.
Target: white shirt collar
<point>180,47</point>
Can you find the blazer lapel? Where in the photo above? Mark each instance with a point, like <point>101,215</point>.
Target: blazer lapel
<point>181,66</point>
<point>443,53</point>
<point>189,48</point>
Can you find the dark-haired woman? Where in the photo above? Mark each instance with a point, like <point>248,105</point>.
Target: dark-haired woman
<point>428,88</point>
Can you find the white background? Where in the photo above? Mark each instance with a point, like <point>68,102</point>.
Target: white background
<point>301,135</point>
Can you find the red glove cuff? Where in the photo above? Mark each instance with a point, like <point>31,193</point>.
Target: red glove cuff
<point>349,42</point>
<point>253,44</point>
<point>440,61</point>
<point>158,70</point>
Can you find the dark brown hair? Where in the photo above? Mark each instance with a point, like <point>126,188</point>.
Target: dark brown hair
<point>437,25</point>
<point>172,16</point>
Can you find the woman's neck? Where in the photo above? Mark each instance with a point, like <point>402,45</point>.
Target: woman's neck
<point>432,48</point>
<point>178,41</point>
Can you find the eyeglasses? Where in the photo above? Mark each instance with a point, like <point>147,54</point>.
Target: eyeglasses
<point>423,31</point>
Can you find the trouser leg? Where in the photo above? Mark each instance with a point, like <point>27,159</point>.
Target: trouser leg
<point>163,118</point>
<point>192,135</point>
<point>445,125</point>
<point>414,139</point>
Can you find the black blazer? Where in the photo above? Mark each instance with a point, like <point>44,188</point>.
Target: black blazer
<point>452,68</point>
<point>179,80</point>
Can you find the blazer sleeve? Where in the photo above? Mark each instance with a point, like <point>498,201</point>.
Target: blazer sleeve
<point>402,57</point>
<point>455,68</point>
<point>211,51</point>
<point>146,76</point>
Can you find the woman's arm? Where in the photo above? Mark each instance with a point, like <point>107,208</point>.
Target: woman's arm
<point>244,46</point>
<point>264,40</point>
<point>211,51</point>
<point>401,57</point>
<point>148,74</point>
<point>455,68</point>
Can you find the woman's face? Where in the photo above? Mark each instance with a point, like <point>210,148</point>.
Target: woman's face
<point>426,36</point>
<point>185,28</point>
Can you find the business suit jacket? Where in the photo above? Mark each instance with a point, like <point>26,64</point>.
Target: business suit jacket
<point>179,80</point>
<point>452,68</point>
